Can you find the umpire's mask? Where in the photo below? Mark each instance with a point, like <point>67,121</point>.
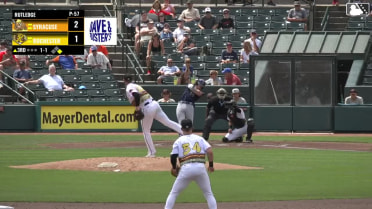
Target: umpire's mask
<point>221,93</point>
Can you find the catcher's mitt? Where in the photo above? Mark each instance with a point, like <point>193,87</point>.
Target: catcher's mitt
<point>175,172</point>
<point>138,115</point>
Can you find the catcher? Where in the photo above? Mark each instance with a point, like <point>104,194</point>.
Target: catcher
<point>147,109</point>
<point>238,125</point>
<point>190,149</point>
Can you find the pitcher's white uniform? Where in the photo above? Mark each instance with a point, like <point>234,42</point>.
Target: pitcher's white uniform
<point>152,110</point>
<point>191,150</point>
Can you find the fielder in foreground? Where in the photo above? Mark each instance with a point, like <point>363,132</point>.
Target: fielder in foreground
<point>151,109</point>
<point>190,149</point>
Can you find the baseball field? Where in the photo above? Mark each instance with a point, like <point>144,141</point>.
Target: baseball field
<point>302,171</point>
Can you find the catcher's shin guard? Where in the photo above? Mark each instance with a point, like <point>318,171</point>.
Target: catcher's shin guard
<point>250,128</point>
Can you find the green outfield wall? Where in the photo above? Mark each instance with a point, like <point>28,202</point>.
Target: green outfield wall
<point>116,117</point>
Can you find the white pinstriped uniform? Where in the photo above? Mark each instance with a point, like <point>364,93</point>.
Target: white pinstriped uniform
<point>152,110</point>
<point>192,169</point>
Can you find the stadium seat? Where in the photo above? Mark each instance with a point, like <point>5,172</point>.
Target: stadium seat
<point>216,51</point>
<point>61,94</point>
<point>43,94</point>
<point>109,85</point>
<point>71,79</point>
<point>88,78</point>
<point>210,32</point>
<point>95,93</point>
<point>83,99</point>
<point>212,66</point>
<point>266,12</point>
<point>219,38</point>
<point>105,78</point>
<point>119,99</point>
<point>53,99</point>
<point>79,93</point>
<point>65,72</point>
<point>233,66</point>
<point>252,12</point>
<point>199,66</point>
<point>244,66</point>
<point>196,59</point>
<point>112,92</point>
<point>237,37</point>
<point>227,32</point>
<point>99,99</point>
<point>245,18</point>
<point>262,18</point>
<point>91,85</point>
<point>355,26</point>
<point>280,19</point>
<point>357,19</point>
<point>83,72</point>
<point>100,71</point>
<point>212,58</point>
<point>68,99</point>
<point>244,25</point>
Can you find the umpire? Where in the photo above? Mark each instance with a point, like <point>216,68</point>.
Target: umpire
<point>215,110</point>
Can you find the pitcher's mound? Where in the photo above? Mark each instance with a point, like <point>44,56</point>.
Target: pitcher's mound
<point>120,164</point>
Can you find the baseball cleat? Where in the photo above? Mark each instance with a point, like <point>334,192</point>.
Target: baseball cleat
<point>249,140</point>
<point>150,155</point>
<point>239,139</point>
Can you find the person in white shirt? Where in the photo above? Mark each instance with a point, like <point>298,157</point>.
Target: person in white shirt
<point>97,60</point>
<point>51,81</point>
<point>246,52</point>
<point>354,99</point>
<point>168,70</point>
<point>255,42</point>
<point>178,33</point>
<point>146,34</point>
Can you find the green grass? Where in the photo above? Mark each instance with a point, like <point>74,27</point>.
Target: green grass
<point>288,174</point>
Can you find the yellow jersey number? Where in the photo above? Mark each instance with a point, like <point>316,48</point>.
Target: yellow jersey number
<point>187,149</point>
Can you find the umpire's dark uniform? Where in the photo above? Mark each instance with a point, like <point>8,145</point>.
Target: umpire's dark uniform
<point>215,110</point>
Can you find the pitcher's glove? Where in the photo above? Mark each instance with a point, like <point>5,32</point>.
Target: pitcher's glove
<point>175,172</point>
<point>138,115</point>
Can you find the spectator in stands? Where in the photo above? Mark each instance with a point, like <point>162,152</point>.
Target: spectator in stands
<point>208,21</point>
<point>229,55</point>
<point>22,75</point>
<point>256,43</point>
<point>354,99</point>
<point>141,24</point>
<point>156,9</point>
<point>3,46</point>
<point>166,97</point>
<point>25,58</point>
<point>191,13</point>
<point>180,30</point>
<point>66,61</point>
<point>186,73</point>
<point>166,34</point>
<point>214,80</point>
<point>187,46</point>
<point>146,35</point>
<point>246,52</point>
<point>297,14</point>
<point>97,60</point>
<point>161,21</point>
<point>237,97</point>
<point>7,61</point>
<point>51,81</point>
<point>169,8</point>
<point>103,49</point>
<point>335,2</point>
<point>230,77</point>
<point>168,70</point>
<point>226,22</point>
<point>155,47</point>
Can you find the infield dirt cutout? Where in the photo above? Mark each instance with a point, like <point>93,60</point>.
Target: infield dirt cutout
<point>119,164</point>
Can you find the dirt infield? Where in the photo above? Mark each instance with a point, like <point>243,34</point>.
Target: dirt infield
<point>300,204</point>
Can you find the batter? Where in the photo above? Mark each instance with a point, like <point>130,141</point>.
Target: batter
<point>138,97</point>
<point>186,105</point>
<point>190,149</point>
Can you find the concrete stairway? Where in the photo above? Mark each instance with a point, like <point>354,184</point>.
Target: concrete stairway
<point>337,18</point>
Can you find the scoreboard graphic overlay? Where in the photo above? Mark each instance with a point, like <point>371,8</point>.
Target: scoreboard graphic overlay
<point>48,32</point>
